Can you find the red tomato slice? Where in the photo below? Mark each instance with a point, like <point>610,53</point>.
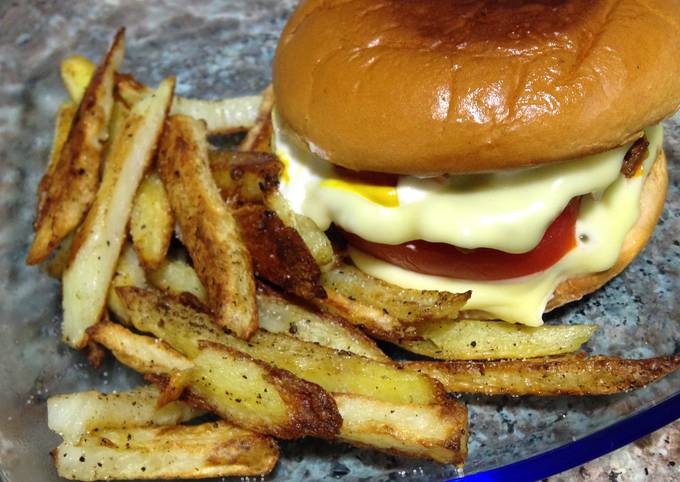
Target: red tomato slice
<point>482,264</point>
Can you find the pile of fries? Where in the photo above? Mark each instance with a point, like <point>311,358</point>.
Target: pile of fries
<point>186,264</point>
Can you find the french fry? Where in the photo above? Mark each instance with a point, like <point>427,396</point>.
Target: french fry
<point>76,73</point>
<point>256,396</point>
<point>177,276</point>
<point>56,264</point>
<point>208,229</point>
<point>244,177</point>
<point>99,240</point>
<point>316,240</point>
<point>386,311</point>
<point>278,315</point>
<point>76,414</point>
<point>279,254</point>
<point>183,327</point>
<point>214,449</point>
<point>259,135</point>
<point>129,272</point>
<point>141,353</point>
<point>568,375</point>
<point>229,383</point>
<point>437,432</point>
<point>151,222</point>
<point>65,115</point>
<point>487,340</point>
<point>68,189</point>
<point>221,116</point>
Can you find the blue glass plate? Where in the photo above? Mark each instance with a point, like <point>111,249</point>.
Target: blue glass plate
<point>222,48</point>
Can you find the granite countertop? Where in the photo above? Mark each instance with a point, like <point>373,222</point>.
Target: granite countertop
<point>225,48</point>
<point>655,457</point>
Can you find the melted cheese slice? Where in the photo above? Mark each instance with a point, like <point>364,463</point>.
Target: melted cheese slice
<point>509,211</point>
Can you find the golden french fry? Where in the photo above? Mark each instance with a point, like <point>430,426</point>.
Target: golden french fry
<point>214,449</point>
<point>141,353</point>
<point>229,383</point>
<point>129,272</point>
<point>221,116</point>
<point>568,375</point>
<point>76,414</point>
<point>437,432</point>
<point>177,276</point>
<point>76,73</point>
<point>278,315</point>
<point>208,229</point>
<point>259,135</point>
<point>386,311</point>
<point>184,326</point>
<point>259,397</point>
<point>151,222</point>
<point>245,177</point>
<point>480,340</point>
<point>68,189</point>
<point>99,240</point>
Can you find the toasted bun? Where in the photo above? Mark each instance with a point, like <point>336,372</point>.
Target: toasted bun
<point>434,86</point>
<point>651,206</point>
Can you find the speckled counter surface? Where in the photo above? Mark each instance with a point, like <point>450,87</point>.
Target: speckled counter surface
<point>223,48</point>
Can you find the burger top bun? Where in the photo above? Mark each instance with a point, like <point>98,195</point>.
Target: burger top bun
<point>442,86</point>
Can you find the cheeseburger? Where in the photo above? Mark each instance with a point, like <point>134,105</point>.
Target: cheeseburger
<point>511,148</point>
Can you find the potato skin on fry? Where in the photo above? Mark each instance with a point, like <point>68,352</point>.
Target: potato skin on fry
<point>570,375</point>
<point>207,227</point>
<point>279,254</point>
<point>68,188</point>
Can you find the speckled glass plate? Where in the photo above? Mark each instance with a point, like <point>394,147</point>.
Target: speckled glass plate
<point>221,48</point>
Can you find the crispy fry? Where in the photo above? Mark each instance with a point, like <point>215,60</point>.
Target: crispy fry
<point>221,116</point>
<point>568,375</point>
<point>259,136</point>
<point>76,73</point>
<point>151,222</point>
<point>98,242</point>
<point>229,383</point>
<point>76,414</point>
<point>278,315</point>
<point>68,188</point>
<point>480,340</point>
<point>384,310</point>
<point>183,326</point>
<point>214,449</point>
<point>244,177</point>
<point>279,254</point>
<point>141,353</point>
<point>259,397</point>
<point>436,432</point>
<point>177,276</point>
<point>65,115</point>
<point>56,264</point>
<point>128,273</point>
<point>208,228</point>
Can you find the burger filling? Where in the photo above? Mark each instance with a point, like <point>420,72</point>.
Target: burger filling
<point>509,236</point>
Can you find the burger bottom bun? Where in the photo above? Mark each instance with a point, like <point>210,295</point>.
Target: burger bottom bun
<point>651,205</point>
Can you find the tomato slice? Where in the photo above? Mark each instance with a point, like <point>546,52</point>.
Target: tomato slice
<point>481,264</point>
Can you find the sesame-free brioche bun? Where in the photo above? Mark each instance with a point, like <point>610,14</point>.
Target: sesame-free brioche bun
<point>440,86</point>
